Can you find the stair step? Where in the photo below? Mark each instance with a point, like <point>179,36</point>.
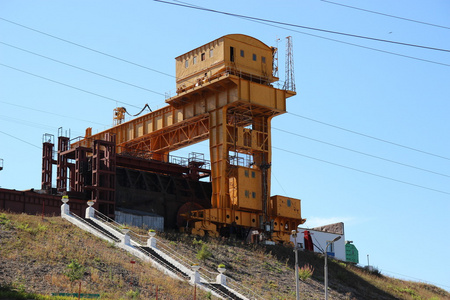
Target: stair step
<point>148,250</point>
<point>226,291</point>
<point>102,230</point>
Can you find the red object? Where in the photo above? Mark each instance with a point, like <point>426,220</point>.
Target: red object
<point>308,241</point>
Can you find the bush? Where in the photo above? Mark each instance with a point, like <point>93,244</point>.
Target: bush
<point>204,253</point>
<point>305,272</point>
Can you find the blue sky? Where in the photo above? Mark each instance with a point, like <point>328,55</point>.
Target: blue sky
<point>365,141</point>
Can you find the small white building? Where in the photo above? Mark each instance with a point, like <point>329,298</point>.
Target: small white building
<point>317,238</point>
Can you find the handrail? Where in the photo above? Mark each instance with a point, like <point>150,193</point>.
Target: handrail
<point>243,290</point>
<point>184,261</point>
<point>87,223</point>
<point>173,269</point>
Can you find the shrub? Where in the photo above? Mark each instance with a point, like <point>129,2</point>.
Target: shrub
<point>204,253</point>
<point>305,272</point>
<point>75,271</point>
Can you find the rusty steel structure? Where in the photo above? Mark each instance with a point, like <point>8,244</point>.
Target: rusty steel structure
<point>225,94</point>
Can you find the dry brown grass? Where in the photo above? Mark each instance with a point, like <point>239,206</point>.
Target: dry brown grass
<point>34,255</point>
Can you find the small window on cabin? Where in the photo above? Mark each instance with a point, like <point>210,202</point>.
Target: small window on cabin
<point>246,193</point>
<point>194,61</point>
<point>203,56</point>
<point>246,173</point>
<point>242,53</point>
<point>253,195</point>
<point>254,56</point>
<point>263,59</point>
<point>186,64</point>
<point>253,174</point>
<point>211,52</point>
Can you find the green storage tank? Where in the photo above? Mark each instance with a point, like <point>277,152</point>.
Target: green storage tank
<point>351,253</point>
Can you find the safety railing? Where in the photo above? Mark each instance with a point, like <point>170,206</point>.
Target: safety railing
<point>207,275</point>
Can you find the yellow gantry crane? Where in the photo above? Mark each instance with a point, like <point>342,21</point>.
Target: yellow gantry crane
<point>224,94</point>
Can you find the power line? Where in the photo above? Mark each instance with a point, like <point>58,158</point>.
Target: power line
<point>87,48</point>
<point>362,153</point>
<point>387,15</point>
<point>85,70</point>
<point>301,26</point>
<point>424,281</point>
<point>362,171</point>
<point>371,137</point>
<point>14,137</point>
<point>54,114</point>
<point>67,85</point>
<point>351,44</point>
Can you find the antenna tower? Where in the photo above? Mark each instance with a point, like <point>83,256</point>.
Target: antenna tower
<point>289,84</point>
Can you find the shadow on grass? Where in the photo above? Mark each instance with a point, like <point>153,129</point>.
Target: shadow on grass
<point>340,277</point>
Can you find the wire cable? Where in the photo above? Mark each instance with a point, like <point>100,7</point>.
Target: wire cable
<point>87,48</point>
<point>371,137</point>
<point>301,26</point>
<point>67,85</point>
<point>362,171</point>
<point>14,137</point>
<point>54,114</point>
<point>85,70</point>
<point>351,44</point>
<point>386,15</point>
<point>362,153</point>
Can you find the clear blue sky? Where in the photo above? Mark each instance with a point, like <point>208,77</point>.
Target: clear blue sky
<point>365,141</point>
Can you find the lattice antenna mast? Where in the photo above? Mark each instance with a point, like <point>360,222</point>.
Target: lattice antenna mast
<point>289,84</point>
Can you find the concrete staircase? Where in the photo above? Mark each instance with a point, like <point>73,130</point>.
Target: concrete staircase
<point>161,255</point>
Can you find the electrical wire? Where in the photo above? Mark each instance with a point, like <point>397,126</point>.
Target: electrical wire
<point>87,48</point>
<point>67,85</point>
<point>301,26</point>
<point>362,171</point>
<point>421,280</point>
<point>351,44</point>
<point>362,153</point>
<point>54,114</point>
<point>369,136</point>
<point>85,70</point>
<point>14,137</point>
<point>386,15</point>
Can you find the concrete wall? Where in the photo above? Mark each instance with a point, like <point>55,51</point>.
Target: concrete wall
<point>152,222</point>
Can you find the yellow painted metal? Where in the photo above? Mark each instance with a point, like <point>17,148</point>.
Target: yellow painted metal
<point>285,206</point>
<point>224,94</point>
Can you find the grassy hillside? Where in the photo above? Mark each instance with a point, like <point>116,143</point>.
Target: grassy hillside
<point>35,255</point>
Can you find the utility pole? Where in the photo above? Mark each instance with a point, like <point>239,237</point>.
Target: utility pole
<point>297,283</point>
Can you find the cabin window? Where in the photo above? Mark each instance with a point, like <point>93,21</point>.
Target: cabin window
<point>232,54</point>
<point>202,56</point>
<point>211,52</point>
<point>253,195</point>
<point>194,61</point>
<point>254,56</point>
<point>186,64</point>
<point>247,193</point>
<point>263,59</point>
<point>242,53</point>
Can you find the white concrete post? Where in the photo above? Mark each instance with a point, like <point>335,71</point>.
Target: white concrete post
<point>126,238</point>
<point>65,210</point>
<point>90,212</point>
<point>195,277</point>
<point>151,242</point>
<point>221,279</point>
